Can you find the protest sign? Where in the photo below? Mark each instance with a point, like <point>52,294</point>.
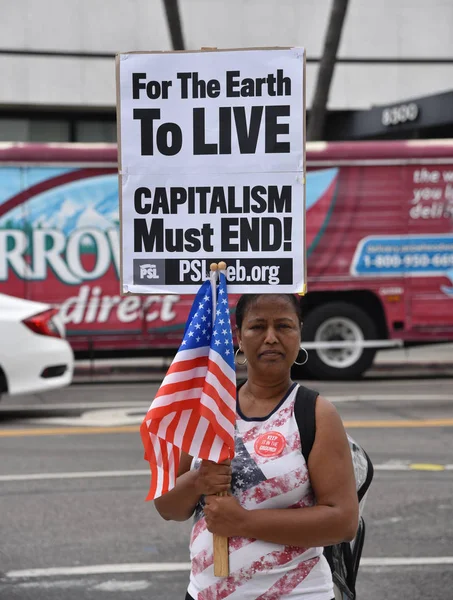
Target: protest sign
<point>212,167</point>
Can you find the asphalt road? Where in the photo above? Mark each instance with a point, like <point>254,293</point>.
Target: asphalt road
<point>75,524</point>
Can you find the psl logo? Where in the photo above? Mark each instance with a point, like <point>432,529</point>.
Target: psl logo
<point>148,271</point>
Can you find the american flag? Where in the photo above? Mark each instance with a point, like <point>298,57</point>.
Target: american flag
<point>195,407</point>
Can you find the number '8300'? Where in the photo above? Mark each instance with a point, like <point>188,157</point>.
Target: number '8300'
<point>399,114</point>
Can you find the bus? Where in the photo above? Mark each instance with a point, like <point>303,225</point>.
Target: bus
<point>379,244</point>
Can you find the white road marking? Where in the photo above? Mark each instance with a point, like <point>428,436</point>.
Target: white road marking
<point>390,397</point>
<point>111,417</point>
<point>90,584</point>
<point>122,586</point>
<point>161,362</point>
<point>75,475</point>
<point>5,408</point>
<point>406,561</point>
<point>185,566</point>
<point>407,465</point>
<point>49,584</point>
<point>99,570</point>
<point>391,466</point>
<point>388,521</point>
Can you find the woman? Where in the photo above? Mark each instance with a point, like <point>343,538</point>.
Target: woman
<point>280,512</point>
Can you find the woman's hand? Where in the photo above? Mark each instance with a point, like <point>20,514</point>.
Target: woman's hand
<point>225,516</point>
<point>213,478</point>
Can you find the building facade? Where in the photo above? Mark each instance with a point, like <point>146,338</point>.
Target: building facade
<point>393,78</point>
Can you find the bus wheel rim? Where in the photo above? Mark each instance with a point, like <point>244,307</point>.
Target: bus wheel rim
<point>339,329</point>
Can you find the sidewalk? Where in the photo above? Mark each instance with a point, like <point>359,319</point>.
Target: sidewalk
<point>433,358</point>
<point>436,354</point>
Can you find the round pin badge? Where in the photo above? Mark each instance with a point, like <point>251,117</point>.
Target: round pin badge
<point>270,443</point>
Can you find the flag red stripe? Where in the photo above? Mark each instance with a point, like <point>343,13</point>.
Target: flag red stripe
<point>225,381</point>
<point>189,433</point>
<point>187,364</point>
<point>177,406</point>
<point>156,414</point>
<point>154,425</point>
<point>165,465</point>
<point>193,403</point>
<point>144,434</point>
<point>151,457</point>
<point>180,386</point>
<point>188,436</point>
<point>170,434</point>
<point>213,393</point>
<point>207,442</point>
<point>177,460</point>
<point>208,414</point>
<point>188,403</point>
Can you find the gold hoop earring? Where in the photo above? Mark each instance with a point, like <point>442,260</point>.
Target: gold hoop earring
<point>244,362</point>
<point>299,364</point>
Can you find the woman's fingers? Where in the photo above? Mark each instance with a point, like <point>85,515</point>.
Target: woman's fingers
<point>214,478</point>
<point>215,484</point>
<point>219,467</point>
<point>214,470</point>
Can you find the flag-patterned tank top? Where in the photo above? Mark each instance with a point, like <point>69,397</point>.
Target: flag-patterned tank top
<point>269,471</point>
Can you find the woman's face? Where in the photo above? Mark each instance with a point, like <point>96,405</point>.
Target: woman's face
<point>270,334</point>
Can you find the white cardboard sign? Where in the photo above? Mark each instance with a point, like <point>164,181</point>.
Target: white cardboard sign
<point>212,167</point>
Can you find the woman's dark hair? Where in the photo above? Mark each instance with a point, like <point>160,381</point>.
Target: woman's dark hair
<point>247,300</point>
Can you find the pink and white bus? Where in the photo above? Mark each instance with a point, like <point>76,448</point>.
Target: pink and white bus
<point>379,245</point>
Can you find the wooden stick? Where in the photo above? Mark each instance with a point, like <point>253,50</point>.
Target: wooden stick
<point>221,554</point>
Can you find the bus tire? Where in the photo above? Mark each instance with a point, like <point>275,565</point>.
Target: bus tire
<point>3,383</point>
<point>338,321</point>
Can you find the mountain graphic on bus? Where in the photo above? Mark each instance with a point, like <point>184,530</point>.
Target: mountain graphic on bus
<point>93,202</point>
<point>88,202</point>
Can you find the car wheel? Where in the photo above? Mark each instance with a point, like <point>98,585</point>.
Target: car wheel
<point>3,383</point>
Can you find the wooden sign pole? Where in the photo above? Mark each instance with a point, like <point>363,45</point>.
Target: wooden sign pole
<point>221,554</point>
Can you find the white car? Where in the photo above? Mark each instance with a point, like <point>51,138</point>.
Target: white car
<point>34,354</point>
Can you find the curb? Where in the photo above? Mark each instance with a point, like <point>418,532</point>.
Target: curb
<point>394,366</point>
<point>140,372</point>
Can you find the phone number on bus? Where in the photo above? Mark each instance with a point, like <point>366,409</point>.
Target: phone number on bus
<point>414,261</point>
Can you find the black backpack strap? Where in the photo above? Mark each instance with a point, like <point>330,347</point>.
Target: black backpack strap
<point>305,414</point>
<point>239,384</point>
<point>369,477</point>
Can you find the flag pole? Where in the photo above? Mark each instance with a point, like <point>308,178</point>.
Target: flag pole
<point>213,276</point>
<point>220,543</point>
